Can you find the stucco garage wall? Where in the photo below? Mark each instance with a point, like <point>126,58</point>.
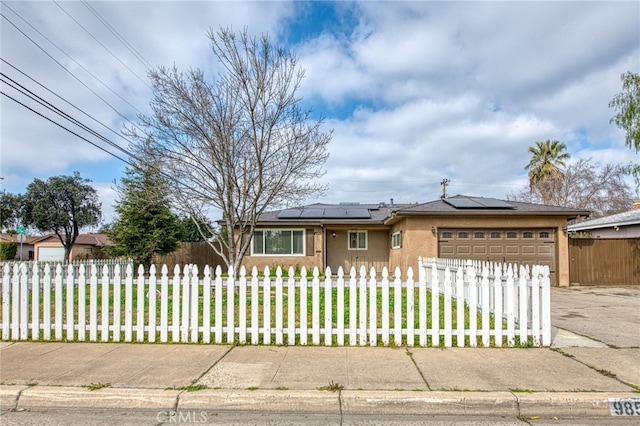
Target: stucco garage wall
<point>419,240</point>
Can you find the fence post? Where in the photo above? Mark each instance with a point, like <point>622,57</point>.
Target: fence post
<point>242,302</point>
<point>6,301</point>
<point>315,307</point>
<point>353,307</point>
<point>279,320</point>
<point>411,308</point>
<point>151,335</point>
<point>473,304</point>
<point>460,298</point>
<point>435,305</point>
<point>140,304</point>
<point>70,304</point>
<point>57,303</point>
<point>363,307</point>
<point>255,320</point>
<point>217,321</point>
<point>523,315</point>
<point>266,307</point>
<point>546,306</point>
<point>328,308</point>
<point>105,301</point>
<point>117,301</point>
<point>291,307</point>
<point>397,307</point>
<point>35,303</point>
<point>385,306</point>
<point>373,311</point>
<point>448,287</point>
<point>164,304</point>
<point>206,305</point>
<point>340,308</point>
<point>194,309</point>
<point>304,306</point>
<point>46,300</point>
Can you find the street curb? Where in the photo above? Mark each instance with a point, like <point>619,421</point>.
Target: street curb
<point>568,404</point>
<point>542,404</point>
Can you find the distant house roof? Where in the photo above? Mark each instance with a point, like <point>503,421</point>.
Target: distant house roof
<point>95,240</point>
<point>383,213</point>
<point>13,238</point>
<point>628,218</point>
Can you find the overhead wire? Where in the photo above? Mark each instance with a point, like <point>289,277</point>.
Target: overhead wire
<point>67,70</point>
<point>101,44</point>
<point>117,35</point>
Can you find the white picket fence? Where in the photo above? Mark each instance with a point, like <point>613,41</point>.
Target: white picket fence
<point>519,294</point>
<point>43,303</point>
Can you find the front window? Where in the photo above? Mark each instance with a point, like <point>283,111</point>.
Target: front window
<point>357,240</point>
<point>278,242</point>
<point>396,240</point>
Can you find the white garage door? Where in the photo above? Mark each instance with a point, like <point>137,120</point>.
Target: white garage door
<point>51,254</point>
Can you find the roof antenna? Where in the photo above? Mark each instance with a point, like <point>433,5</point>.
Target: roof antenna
<point>444,184</point>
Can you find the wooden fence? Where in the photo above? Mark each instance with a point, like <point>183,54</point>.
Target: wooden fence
<point>600,261</point>
<point>191,253</point>
<point>120,305</point>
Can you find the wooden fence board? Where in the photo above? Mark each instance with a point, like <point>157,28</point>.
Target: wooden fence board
<point>599,261</point>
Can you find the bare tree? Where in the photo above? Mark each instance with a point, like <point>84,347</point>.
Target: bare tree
<point>584,185</point>
<point>240,144</point>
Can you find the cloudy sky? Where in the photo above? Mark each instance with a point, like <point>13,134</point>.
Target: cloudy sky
<point>415,92</point>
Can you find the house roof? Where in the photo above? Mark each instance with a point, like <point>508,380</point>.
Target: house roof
<point>628,218</point>
<point>349,213</point>
<point>464,205</point>
<point>13,238</point>
<point>95,240</point>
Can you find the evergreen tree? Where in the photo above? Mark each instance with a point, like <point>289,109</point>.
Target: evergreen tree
<point>144,225</point>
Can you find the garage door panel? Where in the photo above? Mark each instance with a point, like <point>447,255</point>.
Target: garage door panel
<point>512,249</point>
<point>520,246</point>
<point>480,250</point>
<point>51,254</point>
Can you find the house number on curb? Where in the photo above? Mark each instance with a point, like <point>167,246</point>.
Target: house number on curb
<point>624,407</point>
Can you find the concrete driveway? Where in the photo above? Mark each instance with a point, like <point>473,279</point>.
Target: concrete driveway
<point>610,315</point>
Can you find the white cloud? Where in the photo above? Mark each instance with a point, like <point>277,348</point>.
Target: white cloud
<point>415,91</point>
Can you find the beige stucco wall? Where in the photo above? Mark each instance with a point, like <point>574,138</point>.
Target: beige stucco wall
<point>419,240</point>
<point>77,252</point>
<point>338,254</point>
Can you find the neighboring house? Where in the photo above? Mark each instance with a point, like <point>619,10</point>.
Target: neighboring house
<point>27,245</point>
<point>395,235</point>
<point>606,251</point>
<point>621,225</point>
<point>87,246</point>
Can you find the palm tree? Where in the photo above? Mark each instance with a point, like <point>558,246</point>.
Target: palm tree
<point>547,158</point>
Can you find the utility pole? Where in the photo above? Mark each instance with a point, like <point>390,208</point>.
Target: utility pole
<point>444,184</point>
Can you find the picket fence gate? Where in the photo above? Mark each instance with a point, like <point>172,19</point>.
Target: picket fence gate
<point>40,302</point>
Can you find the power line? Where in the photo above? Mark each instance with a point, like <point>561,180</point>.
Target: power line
<point>64,100</point>
<point>67,70</point>
<point>100,43</point>
<point>31,95</point>
<point>65,128</point>
<point>123,40</point>
<point>65,53</point>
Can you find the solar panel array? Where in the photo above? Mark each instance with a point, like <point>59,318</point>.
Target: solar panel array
<point>326,212</point>
<point>477,203</point>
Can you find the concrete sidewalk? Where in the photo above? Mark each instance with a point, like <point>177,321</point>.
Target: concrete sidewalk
<point>569,381</point>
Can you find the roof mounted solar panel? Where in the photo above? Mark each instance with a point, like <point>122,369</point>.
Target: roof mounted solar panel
<point>290,214</point>
<point>477,203</point>
<point>462,203</point>
<point>493,203</point>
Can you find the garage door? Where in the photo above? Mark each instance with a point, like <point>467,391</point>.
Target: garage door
<point>51,254</point>
<point>521,246</point>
